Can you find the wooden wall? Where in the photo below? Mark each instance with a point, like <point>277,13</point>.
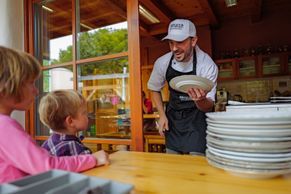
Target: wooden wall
<point>273,29</point>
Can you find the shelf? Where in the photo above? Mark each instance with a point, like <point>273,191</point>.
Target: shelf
<point>271,66</point>
<point>147,67</point>
<point>151,116</point>
<point>225,70</point>
<point>259,66</point>
<point>121,116</point>
<point>107,76</point>
<point>247,68</point>
<point>114,135</point>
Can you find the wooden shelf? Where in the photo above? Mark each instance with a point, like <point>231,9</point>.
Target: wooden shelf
<point>151,116</point>
<point>147,67</point>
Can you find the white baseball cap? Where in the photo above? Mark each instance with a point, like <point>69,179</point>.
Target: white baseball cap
<point>180,29</point>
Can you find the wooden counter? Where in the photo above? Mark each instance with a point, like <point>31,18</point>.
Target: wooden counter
<point>164,174</point>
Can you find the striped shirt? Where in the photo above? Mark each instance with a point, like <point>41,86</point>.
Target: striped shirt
<point>65,145</point>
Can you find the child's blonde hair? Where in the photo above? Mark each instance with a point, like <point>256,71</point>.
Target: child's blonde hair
<point>16,67</point>
<point>57,105</point>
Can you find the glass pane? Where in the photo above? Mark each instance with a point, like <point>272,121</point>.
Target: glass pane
<point>247,67</point>
<point>53,28</point>
<point>105,86</point>
<point>101,28</point>
<point>52,79</point>
<point>225,70</point>
<point>57,78</point>
<point>271,65</point>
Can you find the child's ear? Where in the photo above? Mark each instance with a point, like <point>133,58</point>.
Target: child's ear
<point>69,121</point>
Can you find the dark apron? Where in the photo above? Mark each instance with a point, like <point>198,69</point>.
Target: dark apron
<point>187,124</point>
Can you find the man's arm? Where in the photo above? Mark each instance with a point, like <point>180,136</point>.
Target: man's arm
<point>163,121</point>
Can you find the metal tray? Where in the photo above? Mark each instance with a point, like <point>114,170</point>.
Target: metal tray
<point>60,182</point>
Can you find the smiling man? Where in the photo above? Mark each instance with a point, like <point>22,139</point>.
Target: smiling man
<point>183,123</point>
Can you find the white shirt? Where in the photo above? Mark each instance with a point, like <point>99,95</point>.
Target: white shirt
<point>205,67</point>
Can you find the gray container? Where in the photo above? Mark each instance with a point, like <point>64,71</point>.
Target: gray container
<point>7,188</point>
<point>60,182</point>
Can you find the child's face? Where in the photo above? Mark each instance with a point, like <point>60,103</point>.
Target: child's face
<point>81,120</point>
<point>29,91</point>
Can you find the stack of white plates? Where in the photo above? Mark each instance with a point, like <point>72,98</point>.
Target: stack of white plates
<point>250,144</point>
<point>258,107</point>
<point>280,99</point>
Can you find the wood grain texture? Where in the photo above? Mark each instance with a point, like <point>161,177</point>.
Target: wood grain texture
<point>164,174</point>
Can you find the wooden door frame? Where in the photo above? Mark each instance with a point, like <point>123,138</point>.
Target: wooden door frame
<point>134,66</point>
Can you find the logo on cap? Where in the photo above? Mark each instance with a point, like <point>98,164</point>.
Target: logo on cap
<point>176,26</point>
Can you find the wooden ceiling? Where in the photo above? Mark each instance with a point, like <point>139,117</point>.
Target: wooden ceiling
<point>99,13</point>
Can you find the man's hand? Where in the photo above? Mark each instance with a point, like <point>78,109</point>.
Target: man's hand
<point>197,94</point>
<point>199,97</point>
<point>162,125</point>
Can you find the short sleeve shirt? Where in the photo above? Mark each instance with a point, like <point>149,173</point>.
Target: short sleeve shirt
<point>205,68</point>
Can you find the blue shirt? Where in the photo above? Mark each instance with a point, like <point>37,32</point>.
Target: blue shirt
<point>65,145</point>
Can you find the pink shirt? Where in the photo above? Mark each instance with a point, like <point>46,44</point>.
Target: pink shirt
<point>21,156</point>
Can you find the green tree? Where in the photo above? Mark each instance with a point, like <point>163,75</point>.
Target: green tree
<point>98,43</point>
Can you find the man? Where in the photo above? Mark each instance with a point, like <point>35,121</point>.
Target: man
<point>183,122</point>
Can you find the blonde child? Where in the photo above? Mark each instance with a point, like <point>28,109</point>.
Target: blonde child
<point>19,154</point>
<point>65,112</point>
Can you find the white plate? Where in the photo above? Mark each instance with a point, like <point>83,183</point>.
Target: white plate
<point>185,82</point>
<point>250,149</point>
<point>251,131</point>
<point>251,117</point>
<point>256,145</point>
<point>251,155</point>
<point>247,126</point>
<point>249,173</point>
<point>250,159</point>
<point>250,122</point>
<point>248,138</point>
<point>249,165</point>
<point>281,97</point>
<point>280,101</point>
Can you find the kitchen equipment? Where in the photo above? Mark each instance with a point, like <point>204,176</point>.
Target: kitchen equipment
<point>221,100</point>
<point>237,97</point>
<point>222,95</point>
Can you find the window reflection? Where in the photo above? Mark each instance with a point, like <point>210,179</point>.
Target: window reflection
<point>57,78</point>
<point>105,86</point>
<point>54,19</point>
<point>102,31</point>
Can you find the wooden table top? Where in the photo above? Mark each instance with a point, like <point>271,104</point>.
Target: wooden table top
<point>164,173</point>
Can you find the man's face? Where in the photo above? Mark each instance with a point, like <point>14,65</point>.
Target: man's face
<point>183,50</point>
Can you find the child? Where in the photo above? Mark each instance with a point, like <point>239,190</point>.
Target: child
<point>65,112</point>
<point>19,154</point>
<point>147,104</point>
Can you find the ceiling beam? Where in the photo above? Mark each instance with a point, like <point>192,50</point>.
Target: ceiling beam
<point>156,9</point>
<point>256,11</point>
<point>143,29</point>
<point>199,20</point>
<point>116,9</point>
<point>208,12</point>
<point>158,29</point>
